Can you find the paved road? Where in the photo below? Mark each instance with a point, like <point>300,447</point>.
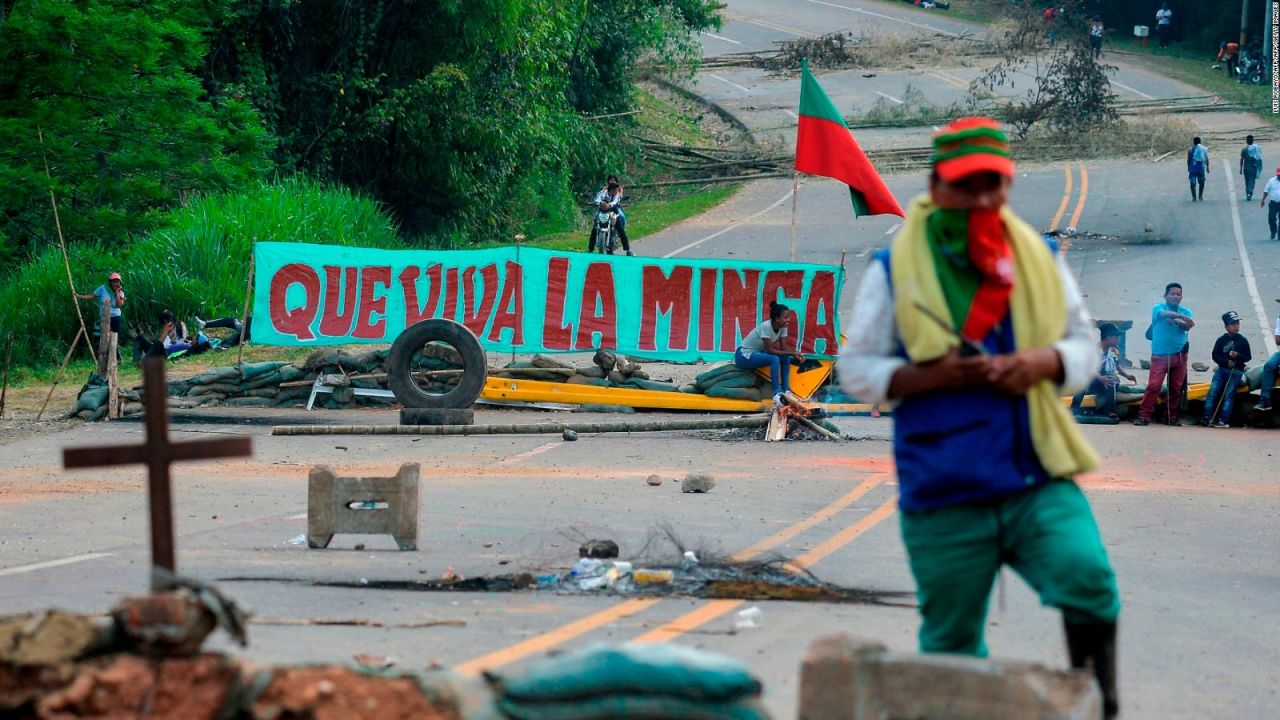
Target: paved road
<point>1189,514</point>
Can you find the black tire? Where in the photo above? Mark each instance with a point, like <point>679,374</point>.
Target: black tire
<point>475,365</point>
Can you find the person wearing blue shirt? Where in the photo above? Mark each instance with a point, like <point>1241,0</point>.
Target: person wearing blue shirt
<point>1197,167</point>
<point>1170,321</point>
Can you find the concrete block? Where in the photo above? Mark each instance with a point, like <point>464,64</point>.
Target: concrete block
<point>437,416</point>
<point>365,505</point>
<point>846,679</point>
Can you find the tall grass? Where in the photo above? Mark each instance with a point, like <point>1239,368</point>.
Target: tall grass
<point>197,264</point>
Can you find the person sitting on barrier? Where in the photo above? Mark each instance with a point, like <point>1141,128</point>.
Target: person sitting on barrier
<point>1231,352</point>
<point>762,347</point>
<point>1103,386</point>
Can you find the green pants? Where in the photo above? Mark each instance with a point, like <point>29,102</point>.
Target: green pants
<point>1047,535</point>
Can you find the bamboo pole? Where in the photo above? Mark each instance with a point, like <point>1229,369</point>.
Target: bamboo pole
<point>66,259</point>
<point>4,388</point>
<point>527,429</point>
<point>58,378</point>
<point>244,319</point>
<point>795,192</point>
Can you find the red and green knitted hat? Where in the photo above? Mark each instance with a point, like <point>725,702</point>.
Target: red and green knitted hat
<point>970,145</point>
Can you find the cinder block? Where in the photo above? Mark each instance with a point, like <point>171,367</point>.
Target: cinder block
<point>334,506</point>
<point>846,679</point>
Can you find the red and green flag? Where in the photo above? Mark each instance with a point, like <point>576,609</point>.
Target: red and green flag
<point>824,146</point>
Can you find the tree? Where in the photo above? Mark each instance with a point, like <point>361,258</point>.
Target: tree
<point>460,116</point>
<point>1069,90</point>
<point>128,130</point>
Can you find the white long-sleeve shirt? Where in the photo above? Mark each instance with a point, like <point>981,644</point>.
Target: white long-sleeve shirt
<point>868,360</point>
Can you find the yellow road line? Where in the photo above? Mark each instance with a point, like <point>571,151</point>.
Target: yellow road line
<point>581,626</point>
<point>1066,197</point>
<point>846,536</point>
<point>825,513</point>
<point>691,620</point>
<point>1084,193</point>
<point>548,640</point>
<point>948,78</point>
<point>770,25</point>
<point>698,617</point>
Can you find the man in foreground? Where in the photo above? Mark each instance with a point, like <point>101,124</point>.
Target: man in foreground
<point>973,325</point>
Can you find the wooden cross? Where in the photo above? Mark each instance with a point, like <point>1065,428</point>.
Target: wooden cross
<point>157,453</point>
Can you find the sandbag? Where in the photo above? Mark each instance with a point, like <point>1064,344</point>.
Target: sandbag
<point>708,378</point>
<point>222,388</point>
<point>132,408</point>
<point>533,373</point>
<point>343,395</point>
<point>290,373</point>
<point>643,384</point>
<point>632,671</point>
<point>593,371</point>
<point>91,399</point>
<point>753,394</point>
<point>584,380</point>
<point>266,392</point>
<point>250,371</point>
<point>690,389</point>
<point>546,361</point>
<point>249,402</point>
<point>218,375</point>
<point>738,380</point>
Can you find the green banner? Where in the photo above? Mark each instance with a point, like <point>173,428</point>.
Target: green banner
<point>533,300</point>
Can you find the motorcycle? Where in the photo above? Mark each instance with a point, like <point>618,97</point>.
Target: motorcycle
<point>606,233</point>
<point>1250,70</point>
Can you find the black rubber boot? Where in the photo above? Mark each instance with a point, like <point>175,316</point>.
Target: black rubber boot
<point>1094,645</point>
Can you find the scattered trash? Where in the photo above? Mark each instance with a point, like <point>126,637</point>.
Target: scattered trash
<point>548,582</point>
<point>697,482</point>
<point>569,435</point>
<point>359,546</point>
<point>376,663</point>
<point>298,540</point>
<point>645,576</point>
<point>602,549</point>
<point>749,618</point>
<point>451,576</point>
<point>357,622</point>
<point>654,480</point>
<point>1199,366</point>
<point>689,560</point>
<point>363,581</point>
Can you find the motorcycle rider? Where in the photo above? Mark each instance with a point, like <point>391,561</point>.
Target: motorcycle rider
<point>610,198</point>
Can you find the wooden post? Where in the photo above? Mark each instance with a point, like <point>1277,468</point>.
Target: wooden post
<point>113,381</point>
<point>66,261</point>
<point>795,192</point>
<point>104,339</point>
<point>4,388</point>
<point>244,319</point>
<point>58,378</point>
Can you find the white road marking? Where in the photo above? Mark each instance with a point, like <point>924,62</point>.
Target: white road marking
<point>893,229</point>
<point>721,37</point>
<point>729,82</point>
<point>52,563</point>
<point>888,97</point>
<point>536,451</point>
<point>299,516</point>
<point>1249,280</point>
<point>724,230</point>
<point>793,115</point>
<point>884,17</point>
<point>1132,90</point>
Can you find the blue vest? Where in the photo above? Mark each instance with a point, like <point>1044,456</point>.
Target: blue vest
<point>963,446</point>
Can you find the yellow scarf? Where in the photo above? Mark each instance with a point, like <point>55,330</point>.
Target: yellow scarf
<point>1039,312</point>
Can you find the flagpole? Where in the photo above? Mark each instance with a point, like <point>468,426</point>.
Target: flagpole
<point>795,192</point>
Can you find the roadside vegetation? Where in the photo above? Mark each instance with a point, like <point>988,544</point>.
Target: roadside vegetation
<point>174,135</point>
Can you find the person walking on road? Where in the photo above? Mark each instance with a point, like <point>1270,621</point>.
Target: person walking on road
<point>1197,167</point>
<point>1231,353</point>
<point>973,324</point>
<point>1095,36</point>
<point>1170,322</point>
<point>1250,166</point>
<point>1269,372</point>
<point>1164,24</point>
<point>1271,201</point>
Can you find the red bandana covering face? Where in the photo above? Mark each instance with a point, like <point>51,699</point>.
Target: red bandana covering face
<point>990,253</point>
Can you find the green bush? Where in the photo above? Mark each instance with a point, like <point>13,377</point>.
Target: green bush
<point>197,264</point>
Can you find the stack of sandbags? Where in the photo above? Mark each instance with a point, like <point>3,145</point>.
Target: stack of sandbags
<point>91,402</point>
<point>730,381</point>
